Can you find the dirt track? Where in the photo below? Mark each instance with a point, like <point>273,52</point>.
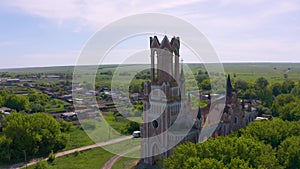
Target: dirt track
<point>34,161</point>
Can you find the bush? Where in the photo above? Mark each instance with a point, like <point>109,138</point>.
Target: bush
<point>130,127</point>
<point>51,156</point>
<point>65,126</point>
<point>41,165</point>
<point>61,142</point>
<point>76,153</point>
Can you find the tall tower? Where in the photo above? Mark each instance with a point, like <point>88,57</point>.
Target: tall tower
<point>164,100</point>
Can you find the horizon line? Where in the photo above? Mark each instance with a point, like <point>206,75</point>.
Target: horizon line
<point>73,65</point>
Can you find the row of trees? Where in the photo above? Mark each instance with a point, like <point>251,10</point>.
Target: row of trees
<point>265,144</point>
<point>34,102</point>
<point>36,135</point>
<point>279,99</point>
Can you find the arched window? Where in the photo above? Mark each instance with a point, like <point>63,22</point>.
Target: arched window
<point>235,120</point>
<point>155,65</point>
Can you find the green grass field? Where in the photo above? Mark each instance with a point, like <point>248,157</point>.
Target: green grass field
<point>78,138</point>
<point>123,146</point>
<point>125,163</point>
<point>128,161</point>
<point>90,159</point>
<point>93,158</point>
<point>274,72</point>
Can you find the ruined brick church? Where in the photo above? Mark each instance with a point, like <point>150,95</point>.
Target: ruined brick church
<point>168,111</point>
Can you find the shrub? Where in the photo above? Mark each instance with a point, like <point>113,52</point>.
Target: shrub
<point>51,156</point>
<point>41,165</point>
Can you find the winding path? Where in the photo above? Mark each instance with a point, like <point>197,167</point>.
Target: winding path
<point>112,160</point>
<point>34,161</point>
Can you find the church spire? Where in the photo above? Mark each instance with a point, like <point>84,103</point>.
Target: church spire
<point>228,87</point>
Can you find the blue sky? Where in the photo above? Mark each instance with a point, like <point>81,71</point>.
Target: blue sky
<point>47,33</point>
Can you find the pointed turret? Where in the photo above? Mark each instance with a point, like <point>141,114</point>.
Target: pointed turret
<point>165,43</point>
<point>154,42</point>
<point>199,116</point>
<point>228,87</point>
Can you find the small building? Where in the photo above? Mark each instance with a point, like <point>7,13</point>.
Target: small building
<point>260,118</point>
<point>5,110</point>
<point>69,116</point>
<point>13,80</point>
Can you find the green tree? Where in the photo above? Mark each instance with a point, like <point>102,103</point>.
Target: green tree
<point>289,153</point>
<point>296,91</point>
<point>271,132</point>
<point>38,98</point>
<point>205,85</point>
<point>265,95</point>
<point>38,134</point>
<point>2,101</point>
<point>131,127</point>
<point>261,83</point>
<point>280,101</point>
<point>287,86</point>
<point>201,77</point>
<point>193,162</point>
<point>181,154</point>
<point>36,107</point>
<point>135,88</point>
<point>290,111</point>
<point>17,102</point>
<point>5,153</point>
<point>250,94</point>
<point>242,85</point>
<point>224,151</point>
<point>65,125</point>
<point>238,163</point>
<point>276,89</point>
<point>207,163</point>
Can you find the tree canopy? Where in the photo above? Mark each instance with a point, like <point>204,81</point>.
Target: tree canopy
<point>263,144</point>
<point>37,134</point>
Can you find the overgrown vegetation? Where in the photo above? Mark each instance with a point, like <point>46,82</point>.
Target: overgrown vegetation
<point>264,144</point>
<point>36,135</point>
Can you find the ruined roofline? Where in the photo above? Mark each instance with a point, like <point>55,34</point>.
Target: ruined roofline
<point>172,45</point>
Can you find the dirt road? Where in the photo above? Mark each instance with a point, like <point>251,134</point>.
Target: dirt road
<point>34,161</point>
<point>112,160</point>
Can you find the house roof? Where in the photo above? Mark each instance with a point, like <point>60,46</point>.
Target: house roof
<point>5,109</point>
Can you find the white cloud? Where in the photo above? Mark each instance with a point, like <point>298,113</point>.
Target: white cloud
<point>240,30</point>
<point>90,13</point>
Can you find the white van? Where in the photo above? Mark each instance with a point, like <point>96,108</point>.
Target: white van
<point>136,134</point>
